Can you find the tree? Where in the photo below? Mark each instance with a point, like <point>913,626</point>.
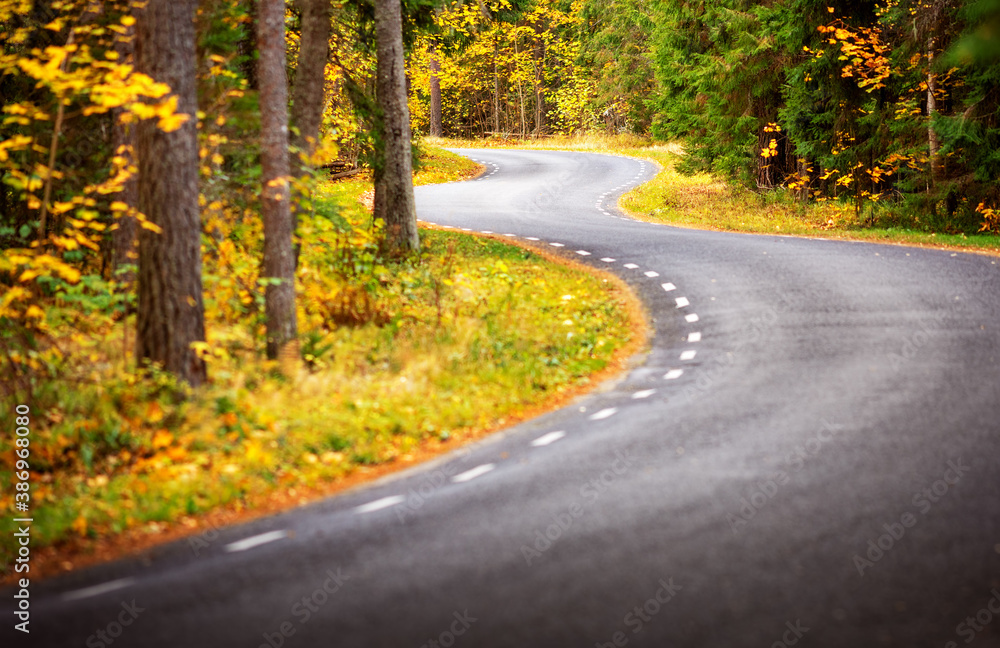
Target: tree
<point>308,100</point>
<point>170,306</point>
<point>394,203</point>
<point>279,256</point>
<point>435,77</point>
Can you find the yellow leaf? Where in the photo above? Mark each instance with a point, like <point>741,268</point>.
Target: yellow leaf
<point>80,525</point>
<point>162,439</point>
<point>154,415</point>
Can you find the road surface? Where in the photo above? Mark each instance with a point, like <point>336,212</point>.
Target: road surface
<point>809,454</point>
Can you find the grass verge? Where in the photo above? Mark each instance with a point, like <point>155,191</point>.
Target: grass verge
<point>401,361</point>
<point>705,202</point>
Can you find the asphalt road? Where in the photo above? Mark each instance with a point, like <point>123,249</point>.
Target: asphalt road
<point>808,455</point>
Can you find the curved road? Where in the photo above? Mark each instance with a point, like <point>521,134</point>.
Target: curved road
<point>810,453</point>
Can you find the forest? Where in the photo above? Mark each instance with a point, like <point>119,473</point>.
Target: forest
<point>181,181</point>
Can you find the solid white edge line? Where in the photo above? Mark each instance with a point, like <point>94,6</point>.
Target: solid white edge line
<point>255,541</point>
<point>96,590</point>
<point>546,439</point>
<point>380,504</point>
<point>472,474</point>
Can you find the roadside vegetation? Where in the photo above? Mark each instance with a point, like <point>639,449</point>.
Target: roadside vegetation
<point>401,359</point>
<point>707,201</point>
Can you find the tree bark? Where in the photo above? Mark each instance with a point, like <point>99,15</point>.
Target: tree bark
<point>394,203</point>
<point>308,95</point>
<point>308,99</point>
<point>437,129</point>
<point>933,143</point>
<point>540,125</point>
<point>279,257</point>
<point>170,308</point>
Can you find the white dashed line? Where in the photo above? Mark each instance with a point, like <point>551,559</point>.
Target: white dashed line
<point>546,439</point>
<point>485,232</point>
<point>469,475</point>
<point>682,302</point>
<point>608,260</point>
<point>97,590</point>
<point>646,393</point>
<point>692,318</point>
<point>583,253</point>
<point>255,541</point>
<point>631,266</point>
<point>673,374</point>
<point>511,235</point>
<point>466,229</point>
<point>532,238</point>
<point>689,354</point>
<point>668,286</point>
<point>603,414</point>
<point>694,337</point>
<point>651,273</point>
<point>557,245</point>
<point>380,504</point>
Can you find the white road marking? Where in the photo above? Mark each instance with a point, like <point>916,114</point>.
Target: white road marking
<point>511,235</point>
<point>532,238</point>
<point>668,286</point>
<point>466,229</point>
<point>631,266</point>
<point>682,302</point>
<point>485,232</point>
<point>603,414</point>
<point>651,273</point>
<point>557,245</point>
<point>694,337</point>
<point>97,590</point>
<point>255,541</point>
<point>380,504</point>
<point>689,354</point>
<point>692,318</point>
<point>608,260</point>
<point>469,475</point>
<point>583,253</point>
<point>646,393</point>
<point>673,374</point>
<point>546,439</point>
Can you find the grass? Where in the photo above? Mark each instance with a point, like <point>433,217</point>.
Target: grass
<point>400,360</point>
<point>706,202</point>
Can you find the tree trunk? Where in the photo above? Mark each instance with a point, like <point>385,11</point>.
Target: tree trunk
<point>170,308</point>
<point>279,257</point>
<point>308,95</point>
<point>933,143</point>
<point>308,100</point>
<point>437,129</point>
<point>394,204</point>
<point>496,87</point>
<point>540,125</point>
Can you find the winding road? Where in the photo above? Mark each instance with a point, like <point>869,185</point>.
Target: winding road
<point>809,454</point>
